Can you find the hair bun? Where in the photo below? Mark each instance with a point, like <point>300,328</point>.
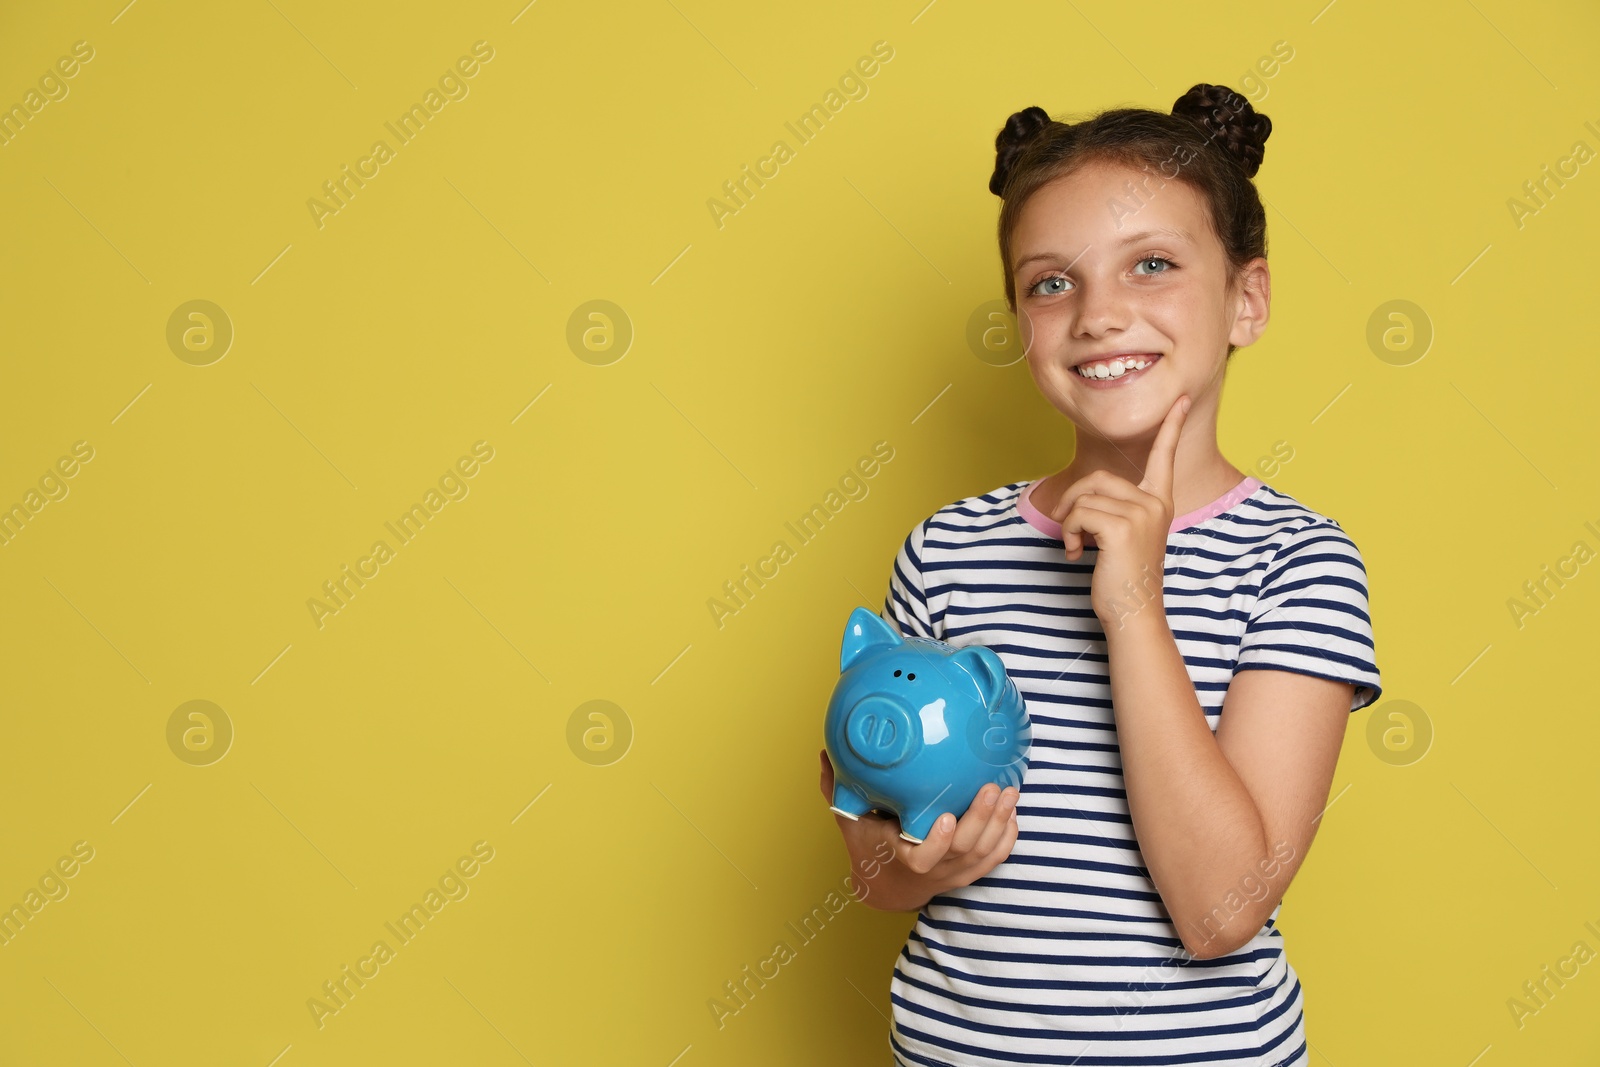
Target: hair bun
<point>1229,121</point>
<point>1014,137</point>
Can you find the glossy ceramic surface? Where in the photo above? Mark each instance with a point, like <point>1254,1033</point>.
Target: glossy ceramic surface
<point>916,726</point>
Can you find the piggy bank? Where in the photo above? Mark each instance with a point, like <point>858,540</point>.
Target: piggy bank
<point>917,726</point>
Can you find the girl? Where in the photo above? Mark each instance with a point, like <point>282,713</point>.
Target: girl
<point>1189,640</point>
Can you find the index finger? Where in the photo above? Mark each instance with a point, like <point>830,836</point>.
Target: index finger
<point>1163,452</point>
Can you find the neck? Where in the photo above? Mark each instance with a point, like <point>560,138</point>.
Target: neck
<point>1200,474</point>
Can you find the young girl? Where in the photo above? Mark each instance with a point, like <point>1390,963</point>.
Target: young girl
<point>1189,640</point>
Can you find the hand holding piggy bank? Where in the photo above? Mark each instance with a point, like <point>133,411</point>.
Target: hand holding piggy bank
<point>917,726</point>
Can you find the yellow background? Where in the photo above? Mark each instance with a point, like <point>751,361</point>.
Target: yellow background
<point>768,356</point>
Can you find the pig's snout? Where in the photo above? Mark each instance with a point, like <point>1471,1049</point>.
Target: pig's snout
<point>880,731</point>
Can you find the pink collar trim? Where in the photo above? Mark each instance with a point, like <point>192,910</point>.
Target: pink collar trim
<point>1048,526</point>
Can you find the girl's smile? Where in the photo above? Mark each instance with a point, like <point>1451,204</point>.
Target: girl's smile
<point>1108,372</point>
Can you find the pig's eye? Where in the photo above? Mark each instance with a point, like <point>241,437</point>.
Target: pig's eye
<point>897,674</point>
<point>911,677</point>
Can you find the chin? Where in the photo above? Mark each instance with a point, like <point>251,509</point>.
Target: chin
<point>1116,417</point>
<point>1129,430</point>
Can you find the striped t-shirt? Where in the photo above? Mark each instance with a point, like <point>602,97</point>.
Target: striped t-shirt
<point>1064,953</point>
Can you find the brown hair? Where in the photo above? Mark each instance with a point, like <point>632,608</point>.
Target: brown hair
<point>1213,140</point>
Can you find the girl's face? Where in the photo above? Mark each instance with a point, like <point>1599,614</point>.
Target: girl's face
<point>1098,275</point>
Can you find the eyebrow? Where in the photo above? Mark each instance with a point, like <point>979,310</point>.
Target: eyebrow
<point>1132,238</point>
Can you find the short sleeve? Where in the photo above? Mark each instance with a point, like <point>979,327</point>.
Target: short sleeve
<point>906,606</point>
<point>1310,615</point>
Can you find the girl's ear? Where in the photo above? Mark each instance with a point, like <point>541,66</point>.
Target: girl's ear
<point>865,630</point>
<point>1253,289</point>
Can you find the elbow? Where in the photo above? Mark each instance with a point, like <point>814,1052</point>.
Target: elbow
<point>1211,948</point>
<point>1207,939</point>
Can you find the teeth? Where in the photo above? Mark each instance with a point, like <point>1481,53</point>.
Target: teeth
<point>1115,369</point>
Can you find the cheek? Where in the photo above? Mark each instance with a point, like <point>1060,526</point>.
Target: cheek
<point>1040,328</point>
<point>1051,379</point>
<point>1026,330</point>
<point>1167,311</point>
<point>1173,326</point>
<point>1041,332</point>
<point>1037,373</point>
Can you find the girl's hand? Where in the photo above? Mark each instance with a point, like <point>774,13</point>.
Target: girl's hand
<point>1129,524</point>
<point>955,853</point>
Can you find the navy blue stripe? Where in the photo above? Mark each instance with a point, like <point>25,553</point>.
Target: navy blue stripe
<point>1090,1011</point>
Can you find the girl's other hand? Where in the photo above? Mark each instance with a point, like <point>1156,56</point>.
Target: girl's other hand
<point>955,852</point>
<point>1129,524</point>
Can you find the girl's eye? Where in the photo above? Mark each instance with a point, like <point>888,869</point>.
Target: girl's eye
<point>1061,283</point>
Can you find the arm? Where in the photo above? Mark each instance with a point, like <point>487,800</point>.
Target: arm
<point>1223,821</point>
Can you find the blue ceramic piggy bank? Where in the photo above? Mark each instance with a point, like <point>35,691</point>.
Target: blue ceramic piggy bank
<point>917,726</point>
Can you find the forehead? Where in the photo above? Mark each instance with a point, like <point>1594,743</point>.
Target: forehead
<point>1102,206</point>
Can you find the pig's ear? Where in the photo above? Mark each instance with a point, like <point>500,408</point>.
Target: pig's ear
<point>985,668</point>
<point>865,630</point>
